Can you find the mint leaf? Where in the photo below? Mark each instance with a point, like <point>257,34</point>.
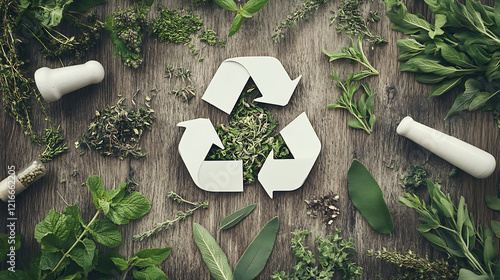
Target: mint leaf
<point>238,20</point>
<point>106,233</point>
<point>49,260</point>
<point>132,206</point>
<point>120,263</point>
<point>227,4</point>
<point>150,273</point>
<point>74,212</point>
<point>83,254</point>
<point>152,257</point>
<point>60,225</point>
<point>254,6</point>
<point>106,266</point>
<point>96,188</point>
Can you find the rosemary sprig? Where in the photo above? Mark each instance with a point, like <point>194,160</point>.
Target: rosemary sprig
<point>308,7</point>
<point>179,216</point>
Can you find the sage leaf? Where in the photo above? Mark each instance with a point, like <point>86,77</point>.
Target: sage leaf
<point>455,57</point>
<point>150,273</point>
<point>429,79</point>
<point>445,87</point>
<point>368,198</point>
<point>492,202</point>
<point>410,45</point>
<point>238,20</point>
<point>233,219</point>
<point>255,257</point>
<point>106,233</point>
<point>490,249</point>
<point>440,21</point>
<point>463,100</point>
<point>227,4</point>
<point>212,254</point>
<point>254,6</point>
<point>495,227</point>
<point>152,257</point>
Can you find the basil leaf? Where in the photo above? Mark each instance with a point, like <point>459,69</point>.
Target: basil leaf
<point>233,219</point>
<point>368,198</point>
<point>254,6</point>
<point>150,273</point>
<point>106,233</point>
<point>227,4</point>
<point>83,254</point>
<point>255,257</point>
<point>212,254</point>
<point>152,257</point>
<point>238,20</point>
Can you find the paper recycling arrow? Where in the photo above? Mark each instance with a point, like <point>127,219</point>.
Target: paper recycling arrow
<point>218,176</point>
<point>267,72</point>
<point>290,174</point>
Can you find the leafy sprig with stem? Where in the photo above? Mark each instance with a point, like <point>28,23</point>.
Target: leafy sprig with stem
<point>292,20</point>
<point>179,216</point>
<point>251,7</point>
<point>451,230</point>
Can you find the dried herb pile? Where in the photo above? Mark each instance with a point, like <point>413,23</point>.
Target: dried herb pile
<point>250,136</point>
<point>325,206</point>
<point>415,178</point>
<point>117,131</point>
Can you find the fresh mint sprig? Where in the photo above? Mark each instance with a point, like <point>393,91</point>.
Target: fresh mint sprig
<point>246,11</point>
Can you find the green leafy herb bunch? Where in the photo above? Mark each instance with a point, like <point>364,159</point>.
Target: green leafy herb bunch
<point>251,7</point>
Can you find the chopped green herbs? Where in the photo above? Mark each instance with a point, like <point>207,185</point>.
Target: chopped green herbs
<point>415,178</point>
<point>292,20</point>
<point>179,216</point>
<point>210,37</point>
<point>117,131</point>
<point>126,29</point>
<point>334,258</point>
<point>351,20</point>
<point>249,136</point>
<point>411,266</point>
<point>172,27</point>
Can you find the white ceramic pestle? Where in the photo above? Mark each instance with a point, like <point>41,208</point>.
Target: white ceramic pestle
<point>54,83</point>
<point>468,158</point>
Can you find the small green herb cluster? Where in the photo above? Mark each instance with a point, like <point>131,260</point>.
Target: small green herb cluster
<point>117,131</point>
<point>292,20</point>
<point>68,243</point>
<point>351,20</point>
<point>334,258</point>
<point>126,29</point>
<point>250,7</point>
<point>362,110</point>
<point>411,266</point>
<point>415,178</point>
<point>54,142</point>
<point>460,50</point>
<point>179,216</point>
<point>451,230</point>
<point>249,136</point>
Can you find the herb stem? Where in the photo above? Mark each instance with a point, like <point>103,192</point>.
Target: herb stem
<point>77,240</point>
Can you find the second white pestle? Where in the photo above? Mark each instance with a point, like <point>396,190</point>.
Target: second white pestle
<point>54,83</point>
<point>464,156</point>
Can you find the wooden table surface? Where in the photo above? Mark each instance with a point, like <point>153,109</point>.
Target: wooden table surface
<point>398,95</point>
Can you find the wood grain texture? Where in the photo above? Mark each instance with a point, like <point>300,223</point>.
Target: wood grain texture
<point>162,170</point>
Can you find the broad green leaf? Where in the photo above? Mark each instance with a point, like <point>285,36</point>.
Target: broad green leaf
<point>9,275</point>
<point>455,57</point>
<point>253,6</point>
<point>152,257</point>
<point>465,274</point>
<point>492,202</point>
<point>60,225</point>
<point>429,78</point>
<point>236,217</point>
<point>150,273</point>
<point>49,260</point>
<point>425,228</point>
<point>495,227</point>
<point>480,100</point>
<point>410,45</point>
<point>255,257</point>
<point>445,87</point>
<point>490,251</point>
<point>95,185</point>
<point>73,211</point>
<point>440,21</point>
<point>238,20</point>
<point>106,233</point>
<point>117,194</point>
<point>355,123</point>
<point>212,254</point>
<point>50,13</point>
<point>245,13</point>
<point>227,4</point>
<point>132,206</point>
<point>405,55</point>
<point>120,263</point>
<point>463,100</point>
<point>83,254</point>
<point>434,239</point>
<point>82,6</point>
<point>106,266</point>
<point>368,198</point>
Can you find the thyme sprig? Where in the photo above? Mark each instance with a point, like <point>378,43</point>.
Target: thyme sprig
<point>179,216</point>
<point>292,20</point>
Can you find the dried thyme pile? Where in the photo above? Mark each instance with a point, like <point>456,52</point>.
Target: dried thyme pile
<point>351,20</point>
<point>117,131</point>
<point>249,136</point>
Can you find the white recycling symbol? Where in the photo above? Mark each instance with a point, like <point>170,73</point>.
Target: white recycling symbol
<point>276,88</point>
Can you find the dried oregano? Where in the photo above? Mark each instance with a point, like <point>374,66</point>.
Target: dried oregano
<point>250,136</point>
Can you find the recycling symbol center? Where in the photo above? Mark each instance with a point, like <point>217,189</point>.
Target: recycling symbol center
<point>276,88</point>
